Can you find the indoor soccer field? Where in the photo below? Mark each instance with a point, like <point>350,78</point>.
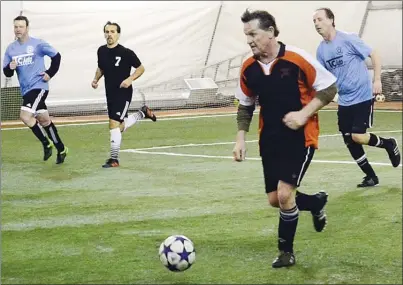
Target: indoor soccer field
<point>78,223</point>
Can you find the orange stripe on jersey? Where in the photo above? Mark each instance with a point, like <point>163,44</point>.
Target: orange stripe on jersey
<point>306,80</point>
<point>242,80</point>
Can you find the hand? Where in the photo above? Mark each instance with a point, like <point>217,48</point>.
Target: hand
<point>126,83</point>
<point>295,120</point>
<point>13,64</point>
<point>94,84</point>
<point>239,151</point>
<point>46,77</point>
<point>377,87</point>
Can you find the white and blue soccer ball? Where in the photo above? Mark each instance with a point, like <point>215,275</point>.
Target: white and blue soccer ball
<point>380,98</point>
<point>177,253</point>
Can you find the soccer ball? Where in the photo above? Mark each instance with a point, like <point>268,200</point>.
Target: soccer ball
<point>380,98</point>
<point>177,253</point>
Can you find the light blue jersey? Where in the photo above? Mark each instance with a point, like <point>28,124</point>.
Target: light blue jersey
<point>30,62</point>
<point>345,56</point>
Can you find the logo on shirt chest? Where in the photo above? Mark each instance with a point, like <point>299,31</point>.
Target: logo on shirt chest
<point>30,49</point>
<point>285,72</point>
<point>24,59</point>
<point>335,62</point>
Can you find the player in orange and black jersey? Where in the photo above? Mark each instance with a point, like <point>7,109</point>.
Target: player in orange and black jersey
<point>291,87</point>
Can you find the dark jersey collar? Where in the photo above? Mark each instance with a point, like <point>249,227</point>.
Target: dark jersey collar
<point>281,52</point>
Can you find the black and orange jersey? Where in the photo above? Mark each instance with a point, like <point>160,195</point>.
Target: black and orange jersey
<point>284,85</point>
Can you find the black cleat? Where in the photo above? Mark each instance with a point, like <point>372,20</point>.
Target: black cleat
<point>393,152</point>
<point>369,182</point>
<point>47,151</point>
<point>61,156</point>
<point>285,259</point>
<point>319,217</point>
<point>148,113</point>
<point>111,163</point>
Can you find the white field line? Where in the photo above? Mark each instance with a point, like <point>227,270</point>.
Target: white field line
<point>249,158</point>
<point>226,143</point>
<point>106,122</point>
<point>66,124</point>
<point>144,151</point>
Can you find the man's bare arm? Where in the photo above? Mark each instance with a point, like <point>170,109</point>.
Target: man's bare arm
<point>98,74</point>
<point>139,71</point>
<point>376,64</point>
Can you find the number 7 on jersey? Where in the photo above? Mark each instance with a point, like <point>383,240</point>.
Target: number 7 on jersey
<point>118,58</point>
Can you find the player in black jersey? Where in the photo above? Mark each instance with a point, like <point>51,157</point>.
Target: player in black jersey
<point>115,63</point>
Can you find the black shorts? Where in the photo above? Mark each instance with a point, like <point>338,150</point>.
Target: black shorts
<point>286,165</point>
<point>118,105</point>
<point>357,118</point>
<point>34,101</point>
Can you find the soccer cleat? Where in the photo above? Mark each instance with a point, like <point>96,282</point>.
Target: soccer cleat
<point>393,152</point>
<point>111,163</point>
<point>369,182</point>
<point>148,113</point>
<point>47,150</point>
<point>319,217</point>
<point>285,259</point>
<point>61,156</point>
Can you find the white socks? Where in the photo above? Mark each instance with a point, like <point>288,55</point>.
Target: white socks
<point>132,119</point>
<point>116,134</point>
<point>116,139</point>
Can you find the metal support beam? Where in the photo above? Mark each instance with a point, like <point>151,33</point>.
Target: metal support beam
<point>397,6</point>
<point>364,19</point>
<point>213,35</point>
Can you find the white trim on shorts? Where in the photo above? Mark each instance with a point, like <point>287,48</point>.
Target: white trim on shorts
<point>35,104</point>
<point>27,109</point>
<point>125,110</point>
<point>370,118</point>
<point>303,165</point>
<point>41,111</point>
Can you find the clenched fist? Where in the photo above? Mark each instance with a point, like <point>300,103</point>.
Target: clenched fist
<point>13,64</point>
<point>94,84</point>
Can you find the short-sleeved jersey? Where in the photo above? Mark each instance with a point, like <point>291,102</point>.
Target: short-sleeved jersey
<point>344,57</point>
<point>286,84</point>
<point>29,57</point>
<point>116,64</point>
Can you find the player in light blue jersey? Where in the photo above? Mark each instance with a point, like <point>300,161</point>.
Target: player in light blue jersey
<point>344,54</point>
<point>26,56</point>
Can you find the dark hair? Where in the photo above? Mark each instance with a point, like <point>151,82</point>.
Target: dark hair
<point>113,24</point>
<point>329,14</point>
<point>266,20</point>
<point>22,18</point>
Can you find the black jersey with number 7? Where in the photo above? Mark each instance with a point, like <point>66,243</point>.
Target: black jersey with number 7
<point>116,64</point>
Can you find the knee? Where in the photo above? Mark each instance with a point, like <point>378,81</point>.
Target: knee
<point>27,118</point>
<point>359,138</point>
<point>44,121</point>
<point>285,194</point>
<point>113,124</point>
<point>348,140</point>
<point>273,199</point>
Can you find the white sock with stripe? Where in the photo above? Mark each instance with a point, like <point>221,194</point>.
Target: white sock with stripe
<point>116,139</point>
